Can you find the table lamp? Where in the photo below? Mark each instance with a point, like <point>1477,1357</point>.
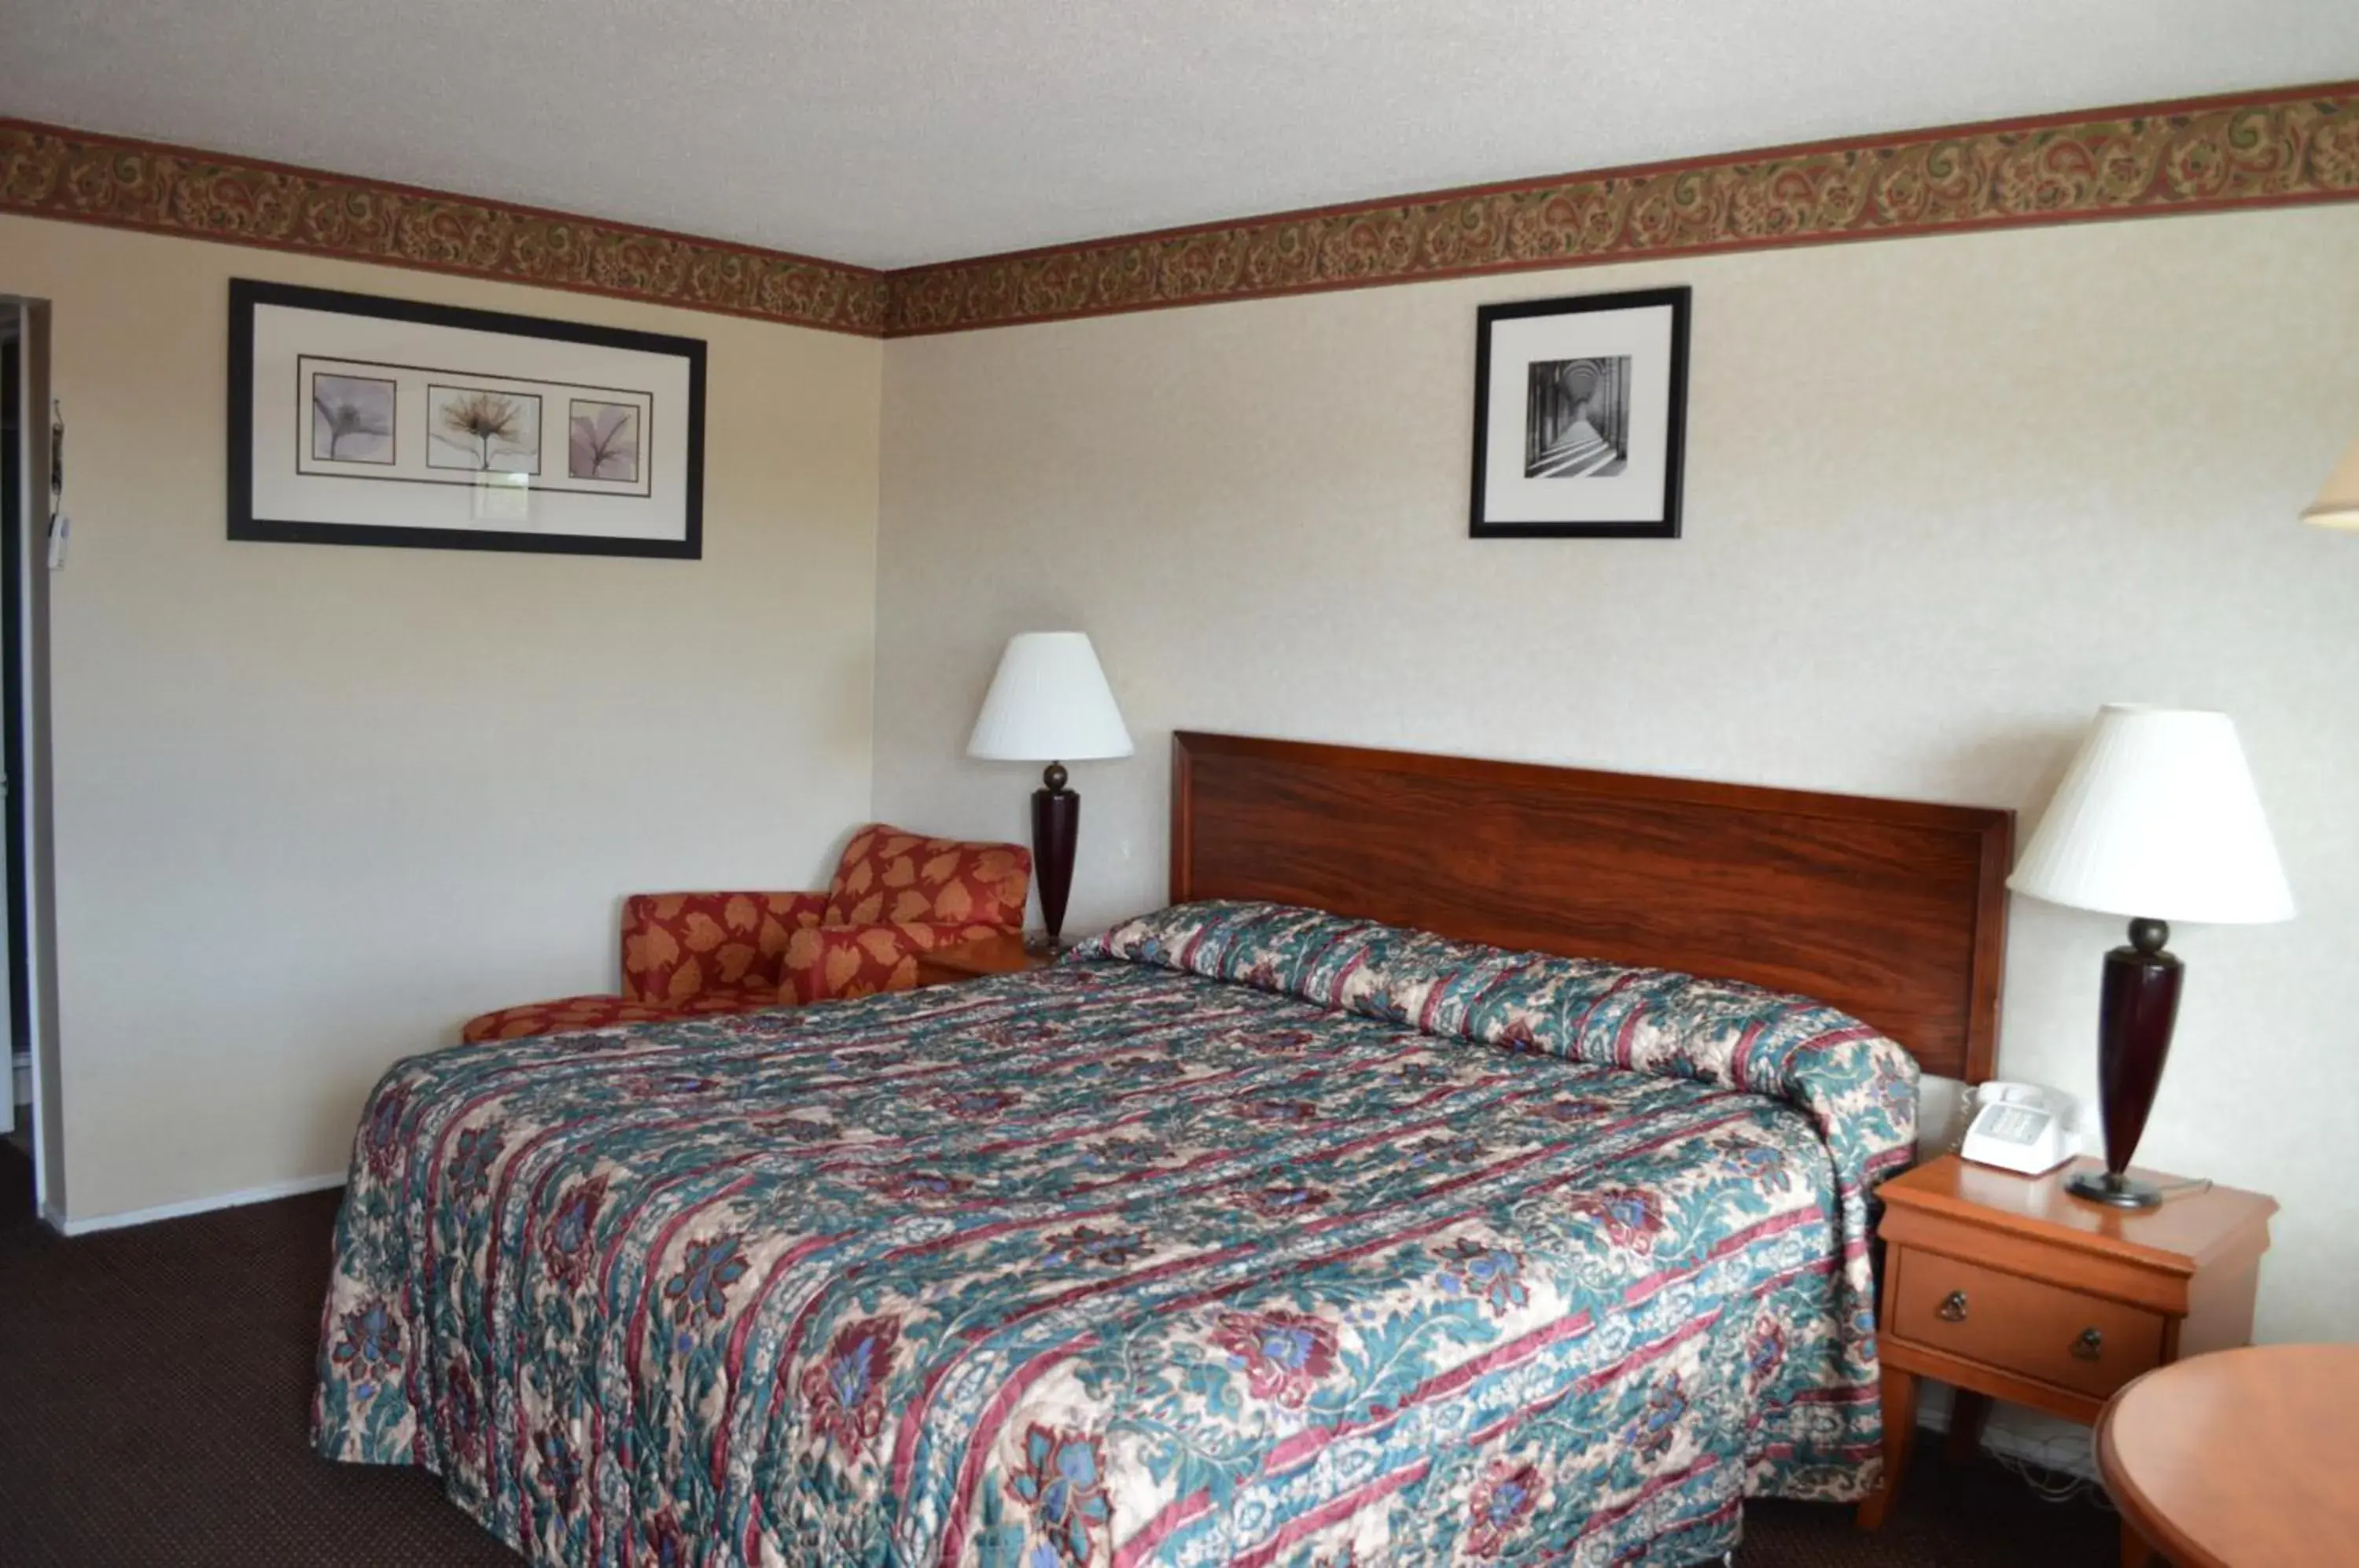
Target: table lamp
<point>2157,819</point>
<point>2337,506</point>
<point>1049,703</point>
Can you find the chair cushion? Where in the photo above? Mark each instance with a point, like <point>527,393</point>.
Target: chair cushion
<point>570,1013</point>
<point>837,962</point>
<point>890,876</point>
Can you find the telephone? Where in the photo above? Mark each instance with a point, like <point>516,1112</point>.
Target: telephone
<point>2020,1127</point>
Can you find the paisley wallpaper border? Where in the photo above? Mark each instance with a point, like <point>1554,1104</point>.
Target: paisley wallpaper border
<point>2277,149</point>
<point>2296,144</point>
<point>47,171</point>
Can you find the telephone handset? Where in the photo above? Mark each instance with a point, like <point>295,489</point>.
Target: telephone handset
<point>2021,1127</point>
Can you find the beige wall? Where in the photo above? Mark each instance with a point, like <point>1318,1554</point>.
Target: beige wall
<point>315,805</point>
<point>1944,497</point>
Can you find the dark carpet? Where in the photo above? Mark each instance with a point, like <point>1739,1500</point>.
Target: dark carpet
<point>155,1385</point>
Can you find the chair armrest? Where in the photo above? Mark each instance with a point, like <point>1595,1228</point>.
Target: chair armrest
<point>889,877</point>
<point>835,963</point>
<point>677,945</point>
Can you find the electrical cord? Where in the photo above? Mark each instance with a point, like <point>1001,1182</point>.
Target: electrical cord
<point>2046,1470</point>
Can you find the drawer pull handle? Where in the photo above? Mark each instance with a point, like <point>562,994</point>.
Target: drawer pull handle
<point>1953,1308</point>
<point>2090,1345</point>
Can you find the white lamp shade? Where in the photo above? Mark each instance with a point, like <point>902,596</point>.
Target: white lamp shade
<point>2337,506</point>
<point>1049,702</point>
<point>2157,818</point>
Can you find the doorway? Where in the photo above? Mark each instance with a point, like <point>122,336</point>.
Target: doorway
<point>31,487</point>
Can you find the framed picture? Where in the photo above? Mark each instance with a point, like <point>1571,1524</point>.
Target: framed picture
<point>1580,415</point>
<point>357,419</point>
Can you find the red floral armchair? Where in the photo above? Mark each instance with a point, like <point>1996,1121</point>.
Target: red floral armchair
<point>895,895</point>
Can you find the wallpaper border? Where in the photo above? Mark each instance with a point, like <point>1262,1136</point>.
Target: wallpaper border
<point>49,171</point>
<point>2289,146</point>
<point>2282,147</point>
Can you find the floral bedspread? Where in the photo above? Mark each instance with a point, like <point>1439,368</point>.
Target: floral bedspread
<point>1250,1236</point>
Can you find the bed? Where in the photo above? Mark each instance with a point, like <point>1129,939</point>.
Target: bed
<point>1392,1197</point>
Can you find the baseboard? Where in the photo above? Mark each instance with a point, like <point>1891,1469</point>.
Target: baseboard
<point>296,1188</point>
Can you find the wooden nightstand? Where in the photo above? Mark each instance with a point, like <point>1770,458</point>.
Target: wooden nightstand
<point>973,959</point>
<point>2010,1287</point>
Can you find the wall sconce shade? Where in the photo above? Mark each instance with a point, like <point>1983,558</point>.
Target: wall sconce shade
<point>2337,506</point>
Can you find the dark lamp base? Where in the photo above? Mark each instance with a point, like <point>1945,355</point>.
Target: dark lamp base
<point>2136,1006</point>
<point>1056,821</point>
<point>2116,1192</point>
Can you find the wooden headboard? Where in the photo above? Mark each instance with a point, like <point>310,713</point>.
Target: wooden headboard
<point>1893,910</point>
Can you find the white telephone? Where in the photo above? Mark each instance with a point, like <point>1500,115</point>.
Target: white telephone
<point>2020,1127</point>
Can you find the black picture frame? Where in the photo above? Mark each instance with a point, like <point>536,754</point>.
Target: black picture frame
<point>245,294</point>
<point>1487,318</point>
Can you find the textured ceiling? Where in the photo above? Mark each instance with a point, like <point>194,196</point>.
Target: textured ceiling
<point>893,132</point>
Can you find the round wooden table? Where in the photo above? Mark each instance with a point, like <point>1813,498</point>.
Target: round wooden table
<point>2238,1459</point>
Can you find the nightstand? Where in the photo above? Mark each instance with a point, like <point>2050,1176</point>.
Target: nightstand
<point>973,959</point>
<point>2008,1287</point>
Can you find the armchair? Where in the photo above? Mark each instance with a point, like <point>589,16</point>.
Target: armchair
<point>893,895</point>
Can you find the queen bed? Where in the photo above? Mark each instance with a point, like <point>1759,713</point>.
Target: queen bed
<point>1392,1197</point>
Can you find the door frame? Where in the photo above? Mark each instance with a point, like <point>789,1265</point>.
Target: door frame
<point>27,764</point>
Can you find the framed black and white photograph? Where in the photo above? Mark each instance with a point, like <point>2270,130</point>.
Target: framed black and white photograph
<point>359,419</point>
<point>1580,415</point>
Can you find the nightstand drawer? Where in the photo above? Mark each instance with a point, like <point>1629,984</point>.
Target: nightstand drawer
<point>2021,1325</point>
